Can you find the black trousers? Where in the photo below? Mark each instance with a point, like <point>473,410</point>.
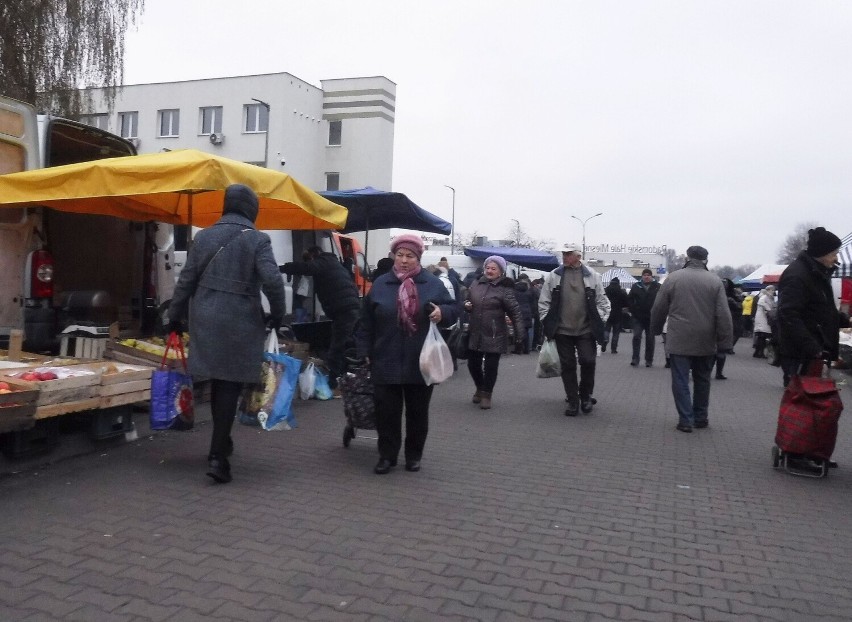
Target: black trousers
<point>572,350</point>
<point>342,328</point>
<point>484,376</point>
<point>224,398</point>
<point>390,400</point>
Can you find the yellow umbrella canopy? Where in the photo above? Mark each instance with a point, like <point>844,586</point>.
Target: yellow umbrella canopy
<point>177,187</point>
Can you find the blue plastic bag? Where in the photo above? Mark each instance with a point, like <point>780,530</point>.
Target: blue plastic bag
<point>269,403</point>
<point>322,390</point>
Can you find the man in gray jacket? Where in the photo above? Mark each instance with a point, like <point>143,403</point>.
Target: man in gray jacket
<point>574,308</point>
<point>699,325</point>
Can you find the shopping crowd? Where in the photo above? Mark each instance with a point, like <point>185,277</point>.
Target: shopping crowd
<point>486,315</point>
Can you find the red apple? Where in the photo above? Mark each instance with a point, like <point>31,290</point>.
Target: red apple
<point>4,385</point>
<point>47,375</point>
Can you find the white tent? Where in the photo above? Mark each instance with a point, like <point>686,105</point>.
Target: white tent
<point>624,277</point>
<point>755,279</point>
<point>845,258</point>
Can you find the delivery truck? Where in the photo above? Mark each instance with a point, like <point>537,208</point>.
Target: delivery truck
<point>58,268</point>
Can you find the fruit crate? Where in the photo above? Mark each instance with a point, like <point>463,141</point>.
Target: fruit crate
<point>80,385</point>
<point>117,351</point>
<point>18,407</point>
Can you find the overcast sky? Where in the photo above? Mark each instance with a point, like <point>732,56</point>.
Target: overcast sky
<point>720,123</point>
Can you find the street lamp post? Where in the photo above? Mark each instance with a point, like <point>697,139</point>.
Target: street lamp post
<point>583,222</point>
<point>453,223</point>
<point>266,143</point>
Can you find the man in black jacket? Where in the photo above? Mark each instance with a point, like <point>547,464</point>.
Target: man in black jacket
<point>641,297</point>
<point>338,295</point>
<point>808,320</point>
<point>618,299</point>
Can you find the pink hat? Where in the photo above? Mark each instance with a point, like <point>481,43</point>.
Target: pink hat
<point>408,241</point>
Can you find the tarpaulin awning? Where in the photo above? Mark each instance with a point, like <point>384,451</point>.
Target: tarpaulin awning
<point>177,187</point>
<point>526,257</point>
<point>377,209</point>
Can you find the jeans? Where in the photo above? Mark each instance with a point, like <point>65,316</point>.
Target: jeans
<point>389,400</point>
<point>572,350</point>
<point>484,376</point>
<point>640,327</point>
<point>691,409</point>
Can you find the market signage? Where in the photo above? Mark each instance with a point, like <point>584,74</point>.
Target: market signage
<point>625,248</point>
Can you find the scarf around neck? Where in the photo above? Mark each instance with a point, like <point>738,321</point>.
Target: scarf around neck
<point>407,303</point>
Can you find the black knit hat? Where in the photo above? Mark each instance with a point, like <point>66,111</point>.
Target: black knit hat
<point>697,252</point>
<point>821,242</point>
<point>240,199</point>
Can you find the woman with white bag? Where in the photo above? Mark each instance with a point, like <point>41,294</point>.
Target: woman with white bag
<point>395,320</point>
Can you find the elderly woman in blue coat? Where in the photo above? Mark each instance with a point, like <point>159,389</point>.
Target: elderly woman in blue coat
<point>395,319</point>
<point>227,266</point>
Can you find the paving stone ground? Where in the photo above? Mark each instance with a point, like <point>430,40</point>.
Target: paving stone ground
<point>519,513</point>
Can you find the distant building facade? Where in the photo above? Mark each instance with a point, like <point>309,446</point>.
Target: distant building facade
<point>336,137</point>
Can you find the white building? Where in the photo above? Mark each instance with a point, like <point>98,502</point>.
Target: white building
<point>336,137</point>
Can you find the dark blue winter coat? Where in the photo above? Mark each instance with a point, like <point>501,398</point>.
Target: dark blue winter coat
<point>394,355</point>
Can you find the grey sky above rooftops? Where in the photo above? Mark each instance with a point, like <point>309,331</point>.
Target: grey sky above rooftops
<point>722,123</point>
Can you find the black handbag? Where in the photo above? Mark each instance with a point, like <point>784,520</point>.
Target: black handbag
<point>458,341</point>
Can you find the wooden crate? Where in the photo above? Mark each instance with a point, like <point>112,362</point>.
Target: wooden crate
<point>63,390</point>
<point>134,356</point>
<point>63,408</point>
<point>108,401</point>
<point>18,408</point>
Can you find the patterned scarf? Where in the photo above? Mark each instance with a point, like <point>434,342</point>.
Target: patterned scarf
<point>407,303</point>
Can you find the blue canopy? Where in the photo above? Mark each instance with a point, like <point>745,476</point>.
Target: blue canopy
<point>377,209</point>
<point>526,257</point>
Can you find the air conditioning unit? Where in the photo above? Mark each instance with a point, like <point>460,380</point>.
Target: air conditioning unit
<point>217,138</point>
<point>135,142</point>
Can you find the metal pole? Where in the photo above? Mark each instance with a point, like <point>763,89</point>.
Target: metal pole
<point>453,223</point>
<point>583,222</point>
<point>266,142</point>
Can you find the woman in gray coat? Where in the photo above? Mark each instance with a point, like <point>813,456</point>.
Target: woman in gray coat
<point>227,266</point>
<point>489,299</point>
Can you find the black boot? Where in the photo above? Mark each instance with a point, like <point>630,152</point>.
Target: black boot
<point>219,470</point>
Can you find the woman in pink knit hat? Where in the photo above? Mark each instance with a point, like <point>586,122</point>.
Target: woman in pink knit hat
<point>395,320</point>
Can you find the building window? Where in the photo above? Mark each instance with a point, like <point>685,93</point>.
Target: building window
<point>169,123</point>
<point>211,120</point>
<point>332,181</point>
<point>100,121</point>
<point>335,131</point>
<point>128,124</point>
<point>257,118</point>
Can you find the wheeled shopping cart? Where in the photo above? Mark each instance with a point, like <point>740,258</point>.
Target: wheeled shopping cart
<point>356,388</point>
<point>807,424</point>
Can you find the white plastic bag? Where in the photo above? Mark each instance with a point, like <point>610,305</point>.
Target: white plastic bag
<point>436,362</point>
<point>548,361</point>
<point>307,382</point>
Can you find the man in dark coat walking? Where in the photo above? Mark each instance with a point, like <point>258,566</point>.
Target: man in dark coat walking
<point>641,297</point>
<point>808,320</point>
<point>339,298</point>
<point>618,300</point>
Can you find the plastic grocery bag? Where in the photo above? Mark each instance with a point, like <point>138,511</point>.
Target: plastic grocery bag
<point>270,402</point>
<point>307,381</point>
<point>322,390</point>
<point>548,361</point>
<point>436,363</point>
<point>172,397</point>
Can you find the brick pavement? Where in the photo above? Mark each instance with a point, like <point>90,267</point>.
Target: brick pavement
<point>519,513</point>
